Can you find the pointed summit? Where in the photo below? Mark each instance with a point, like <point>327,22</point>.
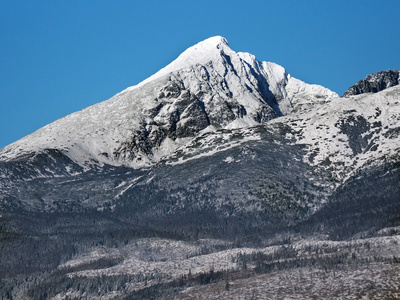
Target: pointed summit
<point>204,48</point>
<point>212,42</point>
<point>201,53</point>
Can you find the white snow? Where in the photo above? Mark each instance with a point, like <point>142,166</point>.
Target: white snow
<point>229,159</point>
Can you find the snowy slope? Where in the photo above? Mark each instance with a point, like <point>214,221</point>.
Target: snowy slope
<point>340,137</point>
<point>351,133</point>
<point>208,87</point>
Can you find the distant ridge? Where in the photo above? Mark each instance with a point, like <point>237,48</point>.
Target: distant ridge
<point>374,83</point>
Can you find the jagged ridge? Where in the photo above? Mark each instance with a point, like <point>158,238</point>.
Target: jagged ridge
<point>374,83</point>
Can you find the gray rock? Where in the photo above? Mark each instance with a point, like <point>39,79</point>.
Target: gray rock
<point>374,83</point>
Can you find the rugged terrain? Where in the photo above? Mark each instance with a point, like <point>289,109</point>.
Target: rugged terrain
<point>219,176</point>
<point>374,83</point>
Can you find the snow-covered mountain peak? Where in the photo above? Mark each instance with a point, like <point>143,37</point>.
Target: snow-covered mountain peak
<point>208,87</point>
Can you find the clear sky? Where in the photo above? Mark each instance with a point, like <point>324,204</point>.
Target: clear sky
<point>57,57</point>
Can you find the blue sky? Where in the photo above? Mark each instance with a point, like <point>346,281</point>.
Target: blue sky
<point>57,57</point>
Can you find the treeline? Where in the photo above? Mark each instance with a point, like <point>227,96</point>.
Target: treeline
<point>150,286</point>
<point>325,258</point>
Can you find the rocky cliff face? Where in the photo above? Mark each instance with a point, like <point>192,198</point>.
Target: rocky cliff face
<point>374,83</point>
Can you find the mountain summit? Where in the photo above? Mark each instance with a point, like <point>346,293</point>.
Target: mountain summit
<point>201,53</point>
<point>208,87</point>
